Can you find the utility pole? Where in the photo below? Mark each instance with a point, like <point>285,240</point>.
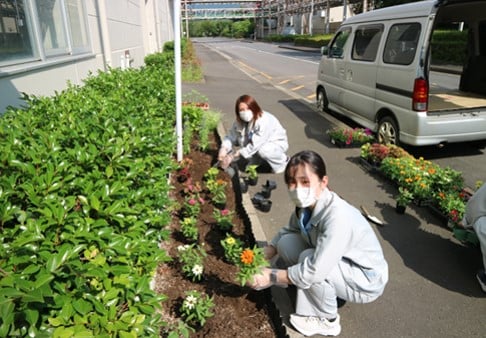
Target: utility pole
<point>177,80</point>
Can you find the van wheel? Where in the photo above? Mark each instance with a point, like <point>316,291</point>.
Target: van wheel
<point>322,102</point>
<point>388,131</point>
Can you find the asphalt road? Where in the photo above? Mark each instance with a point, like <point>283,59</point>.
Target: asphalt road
<point>294,72</point>
<point>432,290</point>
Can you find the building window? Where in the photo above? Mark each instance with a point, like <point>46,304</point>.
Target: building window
<point>52,27</point>
<point>42,29</point>
<point>16,40</point>
<point>78,25</point>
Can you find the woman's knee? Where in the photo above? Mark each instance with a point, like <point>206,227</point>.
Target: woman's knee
<point>289,248</point>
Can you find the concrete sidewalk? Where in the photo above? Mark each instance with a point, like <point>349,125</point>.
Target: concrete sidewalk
<point>432,291</point>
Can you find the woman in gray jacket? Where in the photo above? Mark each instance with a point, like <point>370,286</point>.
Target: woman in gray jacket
<point>259,136</point>
<point>328,250</point>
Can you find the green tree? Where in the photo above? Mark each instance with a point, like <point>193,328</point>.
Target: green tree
<point>242,29</point>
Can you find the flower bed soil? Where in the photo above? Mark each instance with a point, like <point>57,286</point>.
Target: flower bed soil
<point>238,311</point>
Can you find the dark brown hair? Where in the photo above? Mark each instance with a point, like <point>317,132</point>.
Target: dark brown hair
<point>252,105</point>
<point>309,157</point>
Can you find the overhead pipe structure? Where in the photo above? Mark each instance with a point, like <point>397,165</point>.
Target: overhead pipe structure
<point>278,10</point>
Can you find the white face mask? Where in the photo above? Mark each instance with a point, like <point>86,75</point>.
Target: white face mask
<point>302,197</point>
<point>246,115</point>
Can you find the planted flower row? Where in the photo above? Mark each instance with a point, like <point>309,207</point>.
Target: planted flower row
<point>249,260</point>
<point>420,181</point>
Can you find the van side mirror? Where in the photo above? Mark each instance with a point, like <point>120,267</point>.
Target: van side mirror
<point>324,50</point>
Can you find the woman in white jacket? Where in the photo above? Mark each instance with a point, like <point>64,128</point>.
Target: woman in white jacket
<point>328,250</point>
<point>259,136</point>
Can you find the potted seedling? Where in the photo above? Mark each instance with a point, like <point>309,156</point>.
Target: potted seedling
<point>405,196</point>
<point>251,171</point>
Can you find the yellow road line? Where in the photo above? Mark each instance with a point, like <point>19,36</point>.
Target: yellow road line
<point>266,75</point>
<point>297,88</point>
<point>255,70</point>
<point>248,67</point>
<point>313,96</point>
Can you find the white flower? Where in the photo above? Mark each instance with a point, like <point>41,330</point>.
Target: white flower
<point>197,269</point>
<point>182,247</point>
<point>152,284</point>
<point>190,302</point>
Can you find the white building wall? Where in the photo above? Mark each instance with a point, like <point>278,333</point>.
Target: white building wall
<point>140,27</point>
<point>301,21</point>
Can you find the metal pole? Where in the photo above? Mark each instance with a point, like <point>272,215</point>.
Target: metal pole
<point>311,16</point>
<point>177,62</point>
<point>187,19</point>
<point>328,13</point>
<point>345,6</point>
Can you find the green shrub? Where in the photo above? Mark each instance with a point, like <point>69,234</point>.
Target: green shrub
<point>313,41</point>
<point>84,204</point>
<point>448,47</point>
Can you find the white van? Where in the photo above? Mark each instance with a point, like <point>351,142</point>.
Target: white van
<point>377,70</point>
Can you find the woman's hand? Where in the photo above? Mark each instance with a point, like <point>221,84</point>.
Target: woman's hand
<point>222,153</point>
<point>262,280</point>
<point>226,161</point>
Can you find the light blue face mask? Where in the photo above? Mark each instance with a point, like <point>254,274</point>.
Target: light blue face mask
<point>246,115</point>
<point>302,197</point>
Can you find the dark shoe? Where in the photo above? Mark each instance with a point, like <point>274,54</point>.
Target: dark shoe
<point>265,206</point>
<point>261,203</point>
<point>481,276</point>
<point>266,192</point>
<point>270,185</point>
<point>257,199</point>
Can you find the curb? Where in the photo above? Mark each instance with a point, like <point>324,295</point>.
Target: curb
<point>301,48</point>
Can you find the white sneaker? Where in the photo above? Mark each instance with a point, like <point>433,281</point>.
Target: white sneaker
<point>310,326</point>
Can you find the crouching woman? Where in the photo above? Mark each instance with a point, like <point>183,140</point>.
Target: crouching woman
<point>328,250</point>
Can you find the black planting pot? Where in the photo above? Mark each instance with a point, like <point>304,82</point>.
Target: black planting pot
<point>243,186</point>
<point>400,209</point>
<point>252,181</point>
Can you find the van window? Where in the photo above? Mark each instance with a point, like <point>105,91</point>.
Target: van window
<point>401,43</point>
<point>366,42</point>
<point>337,45</point>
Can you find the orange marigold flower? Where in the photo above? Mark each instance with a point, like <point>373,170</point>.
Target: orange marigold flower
<point>247,256</point>
<point>431,171</point>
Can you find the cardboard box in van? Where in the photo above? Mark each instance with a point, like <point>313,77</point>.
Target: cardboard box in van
<point>413,73</point>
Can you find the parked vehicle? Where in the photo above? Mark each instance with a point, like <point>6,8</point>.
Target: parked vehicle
<point>377,70</point>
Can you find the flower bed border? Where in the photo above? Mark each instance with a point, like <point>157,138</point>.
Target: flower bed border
<point>273,312</point>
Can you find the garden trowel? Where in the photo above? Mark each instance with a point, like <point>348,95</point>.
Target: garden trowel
<point>370,217</point>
